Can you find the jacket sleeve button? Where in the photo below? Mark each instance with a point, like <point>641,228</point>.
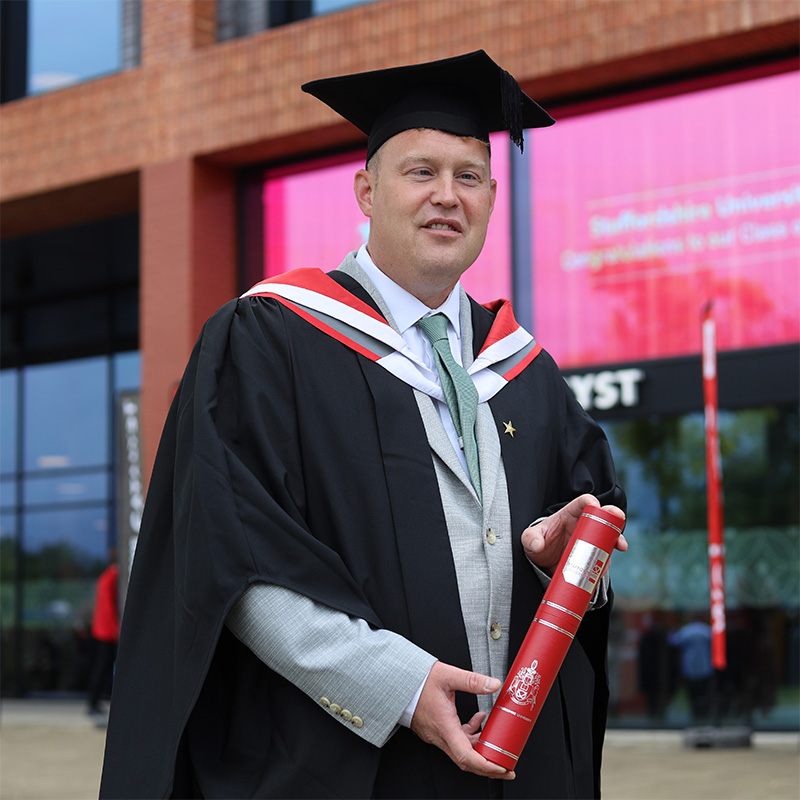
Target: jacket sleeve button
<point>357,721</point>
<point>336,708</point>
<point>325,702</point>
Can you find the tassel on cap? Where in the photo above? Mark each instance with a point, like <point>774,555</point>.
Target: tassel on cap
<point>511,102</point>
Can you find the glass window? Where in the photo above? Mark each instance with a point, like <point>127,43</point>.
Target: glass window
<point>60,414</point>
<point>327,6</point>
<point>126,315</point>
<point>644,213</point>
<point>71,543</point>
<point>8,420</point>
<point>661,462</point>
<point>127,370</point>
<point>8,598</point>
<point>244,17</point>
<point>65,523</point>
<point>76,322</point>
<point>70,292</point>
<point>63,552</point>
<point>8,558</point>
<point>68,487</point>
<point>66,415</point>
<point>72,40</point>
<point>323,191</point>
<point>662,583</point>
<point>8,493</point>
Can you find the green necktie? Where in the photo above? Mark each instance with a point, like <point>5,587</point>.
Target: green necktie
<point>459,392</point>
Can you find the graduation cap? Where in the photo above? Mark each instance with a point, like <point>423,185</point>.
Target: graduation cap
<point>467,95</point>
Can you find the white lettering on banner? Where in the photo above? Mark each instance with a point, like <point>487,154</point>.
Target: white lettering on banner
<point>130,410</point>
<point>629,219</point>
<point>607,389</point>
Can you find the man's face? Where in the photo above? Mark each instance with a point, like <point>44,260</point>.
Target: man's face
<point>429,203</point>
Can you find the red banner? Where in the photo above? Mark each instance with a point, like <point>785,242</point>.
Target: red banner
<point>716,532</point>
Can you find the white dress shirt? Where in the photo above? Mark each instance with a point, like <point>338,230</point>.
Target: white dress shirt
<point>406,310</point>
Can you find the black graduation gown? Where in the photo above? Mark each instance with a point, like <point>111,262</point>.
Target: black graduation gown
<point>289,458</point>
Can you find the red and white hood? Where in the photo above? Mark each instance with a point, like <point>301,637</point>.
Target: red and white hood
<point>326,305</point>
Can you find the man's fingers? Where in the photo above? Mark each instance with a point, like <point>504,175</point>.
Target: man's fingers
<point>615,510</point>
<point>482,684</point>
<point>474,725</point>
<point>461,680</point>
<point>622,542</point>
<point>460,749</point>
<point>471,761</point>
<point>536,544</point>
<point>435,720</point>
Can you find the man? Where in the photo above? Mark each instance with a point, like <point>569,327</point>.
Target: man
<point>337,558</point>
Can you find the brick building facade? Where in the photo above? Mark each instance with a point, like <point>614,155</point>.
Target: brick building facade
<point>166,139</point>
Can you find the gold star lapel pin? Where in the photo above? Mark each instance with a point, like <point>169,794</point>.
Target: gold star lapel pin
<point>510,429</point>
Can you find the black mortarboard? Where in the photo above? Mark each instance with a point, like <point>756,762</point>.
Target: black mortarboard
<point>468,95</point>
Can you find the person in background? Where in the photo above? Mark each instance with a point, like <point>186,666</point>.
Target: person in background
<point>105,635</point>
<point>694,643</point>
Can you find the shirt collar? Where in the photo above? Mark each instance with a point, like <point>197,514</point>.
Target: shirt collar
<point>403,306</point>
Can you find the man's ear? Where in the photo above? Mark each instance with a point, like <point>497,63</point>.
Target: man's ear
<point>362,186</point>
<point>493,184</point>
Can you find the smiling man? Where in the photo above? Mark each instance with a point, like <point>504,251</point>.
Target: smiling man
<point>429,196</point>
<point>364,484</point>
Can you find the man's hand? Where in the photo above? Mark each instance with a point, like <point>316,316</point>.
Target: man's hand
<point>435,720</point>
<point>545,542</point>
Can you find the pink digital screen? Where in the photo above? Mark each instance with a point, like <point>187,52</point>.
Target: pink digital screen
<point>311,219</point>
<point>641,215</point>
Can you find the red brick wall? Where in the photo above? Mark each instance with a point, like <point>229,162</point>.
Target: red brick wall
<point>165,316</point>
<point>187,270</point>
<point>172,29</point>
<point>195,110</point>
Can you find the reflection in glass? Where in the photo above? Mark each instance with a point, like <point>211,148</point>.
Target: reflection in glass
<point>661,583</point>
<point>72,40</point>
<point>8,596</point>
<point>63,551</point>
<point>319,7</point>
<point>127,370</point>
<point>65,543</point>
<point>63,525</point>
<point>66,415</point>
<point>8,420</point>
<point>69,487</point>
<point>73,323</point>
<point>8,493</point>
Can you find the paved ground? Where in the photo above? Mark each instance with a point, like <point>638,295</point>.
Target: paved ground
<point>53,751</point>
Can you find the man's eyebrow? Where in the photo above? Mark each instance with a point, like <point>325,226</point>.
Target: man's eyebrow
<point>421,158</point>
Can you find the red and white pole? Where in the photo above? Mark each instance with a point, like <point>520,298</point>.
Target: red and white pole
<point>716,532</point>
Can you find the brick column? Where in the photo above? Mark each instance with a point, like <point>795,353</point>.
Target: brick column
<point>172,28</point>
<point>188,269</point>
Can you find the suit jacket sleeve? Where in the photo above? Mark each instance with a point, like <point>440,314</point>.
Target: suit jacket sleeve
<point>362,676</point>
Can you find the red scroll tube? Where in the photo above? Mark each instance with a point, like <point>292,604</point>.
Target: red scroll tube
<point>534,670</point>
